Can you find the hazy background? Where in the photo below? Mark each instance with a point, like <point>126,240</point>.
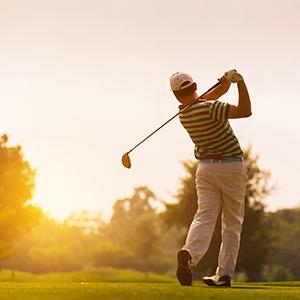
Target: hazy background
<point>81,82</point>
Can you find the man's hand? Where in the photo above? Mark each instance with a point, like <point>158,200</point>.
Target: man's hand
<point>224,80</point>
<point>233,76</point>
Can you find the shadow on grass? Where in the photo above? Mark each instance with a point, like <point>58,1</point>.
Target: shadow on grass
<point>283,284</point>
<point>237,287</point>
<point>249,287</point>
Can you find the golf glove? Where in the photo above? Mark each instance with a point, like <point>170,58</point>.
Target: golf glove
<point>233,76</point>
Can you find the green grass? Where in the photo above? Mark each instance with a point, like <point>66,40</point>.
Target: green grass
<point>111,284</point>
<point>143,291</point>
<point>88,275</point>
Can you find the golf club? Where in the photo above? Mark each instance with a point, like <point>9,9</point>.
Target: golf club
<point>126,159</point>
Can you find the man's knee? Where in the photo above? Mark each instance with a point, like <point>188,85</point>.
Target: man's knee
<point>232,230</point>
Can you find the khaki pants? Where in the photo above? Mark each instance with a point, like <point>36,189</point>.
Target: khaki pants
<point>220,186</point>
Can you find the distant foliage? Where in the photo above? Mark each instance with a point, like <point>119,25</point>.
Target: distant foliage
<point>54,246</point>
<point>17,182</point>
<point>132,239</point>
<point>138,236</point>
<point>283,263</point>
<point>134,230</point>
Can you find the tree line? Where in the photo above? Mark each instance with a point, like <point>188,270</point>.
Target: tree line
<point>138,235</point>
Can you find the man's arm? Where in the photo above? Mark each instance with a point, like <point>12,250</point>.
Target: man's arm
<point>243,109</point>
<point>218,91</point>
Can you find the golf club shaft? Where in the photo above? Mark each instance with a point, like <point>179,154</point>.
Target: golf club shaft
<point>185,108</point>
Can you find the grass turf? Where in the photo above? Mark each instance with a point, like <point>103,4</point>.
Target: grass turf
<point>88,275</point>
<point>142,291</point>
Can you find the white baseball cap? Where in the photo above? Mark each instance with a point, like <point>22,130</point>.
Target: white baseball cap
<point>180,81</point>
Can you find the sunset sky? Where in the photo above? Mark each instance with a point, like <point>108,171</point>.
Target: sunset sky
<point>81,82</point>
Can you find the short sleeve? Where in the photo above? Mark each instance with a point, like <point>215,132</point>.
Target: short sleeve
<point>219,111</point>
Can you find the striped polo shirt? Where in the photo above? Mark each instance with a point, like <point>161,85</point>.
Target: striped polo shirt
<point>208,126</point>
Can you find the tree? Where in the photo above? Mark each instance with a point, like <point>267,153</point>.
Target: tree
<point>134,229</point>
<point>17,182</point>
<point>284,261</point>
<point>54,246</point>
<point>127,212</point>
<point>255,240</point>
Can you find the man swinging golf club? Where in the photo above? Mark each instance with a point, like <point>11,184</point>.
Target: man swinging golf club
<point>221,174</point>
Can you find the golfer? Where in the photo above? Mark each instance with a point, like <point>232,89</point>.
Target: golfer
<point>221,174</point>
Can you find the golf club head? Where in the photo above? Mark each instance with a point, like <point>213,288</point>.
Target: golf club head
<point>126,160</point>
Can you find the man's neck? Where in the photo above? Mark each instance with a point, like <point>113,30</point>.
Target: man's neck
<point>187,100</point>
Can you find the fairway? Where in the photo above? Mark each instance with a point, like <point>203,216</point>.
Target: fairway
<point>159,291</point>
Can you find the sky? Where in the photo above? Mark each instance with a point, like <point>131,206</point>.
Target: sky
<point>83,81</point>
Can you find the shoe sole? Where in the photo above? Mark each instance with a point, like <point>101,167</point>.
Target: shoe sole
<point>184,273</point>
<point>210,282</point>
